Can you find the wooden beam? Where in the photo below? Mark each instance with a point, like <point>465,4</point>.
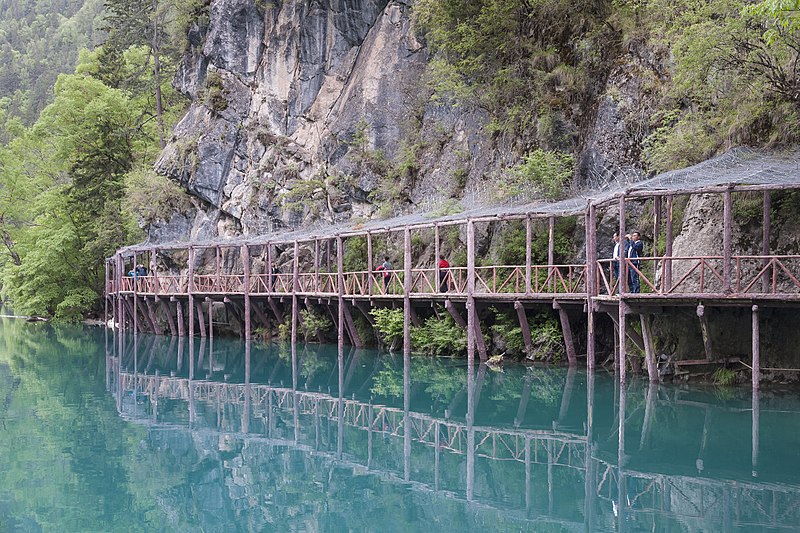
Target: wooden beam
<point>152,318</point>
<point>262,316</point>
<point>415,320</point>
<point>649,347</point>
<point>248,325</point>
<point>592,287</point>
<point>406,293</point>
<point>623,288</point>
<point>181,323</point>
<point>167,312</point>
<point>370,265</point>
<point>351,325</point>
<point>364,311</point>
<point>705,331</point>
<point>275,310</point>
<point>528,254</point>
<point>340,290</point>
<point>200,318</point>
<point>436,253</point>
<point>525,327</point>
<point>566,328</point>
<point>478,339</point>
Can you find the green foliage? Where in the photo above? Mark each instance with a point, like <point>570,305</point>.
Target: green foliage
<point>314,323</point>
<point>515,58</point>
<point>389,323</point>
<point>355,254</point>
<point>547,339</point>
<point>733,82</point>
<point>214,95</point>
<point>724,376</point>
<point>509,330</point>
<point>439,337</point>
<point>546,171</point>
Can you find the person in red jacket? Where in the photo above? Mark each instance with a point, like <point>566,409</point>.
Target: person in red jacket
<point>444,272</point>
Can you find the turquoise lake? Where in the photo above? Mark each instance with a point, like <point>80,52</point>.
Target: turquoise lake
<point>102,432</point>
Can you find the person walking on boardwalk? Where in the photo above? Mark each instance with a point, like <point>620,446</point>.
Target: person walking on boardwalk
<point>386,269</point>
<point>635,251</point>
<point>615,261</point>
<point>444,273</point>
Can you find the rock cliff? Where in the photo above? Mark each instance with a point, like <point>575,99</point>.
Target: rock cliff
<point>307,112</point>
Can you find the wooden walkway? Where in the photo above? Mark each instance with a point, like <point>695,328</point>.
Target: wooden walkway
<point>185,281</point>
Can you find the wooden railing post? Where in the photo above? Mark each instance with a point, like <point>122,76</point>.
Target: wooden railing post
<point>217,270</point>
<point>270,276</point>
<point>623,252</point>
<point>316,284</point>
<point>437,282</point>
<point>246,269</point>
<point>370,265</point>
<point>406,292</point>
<point>667,263</point>
<point>551,251</point>
<point>727,215</point>
<point>528,253</point>
<point>340,286</point>
<point>591,283</point>
<point>765,238</point>
<point>154,270</point>
<point>190,291</point>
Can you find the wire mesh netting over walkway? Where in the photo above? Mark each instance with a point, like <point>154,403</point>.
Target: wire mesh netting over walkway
<point>738,167</point>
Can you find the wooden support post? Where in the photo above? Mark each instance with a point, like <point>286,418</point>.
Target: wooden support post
<point>755,430</point>
<point>340,289</point>
<point>649,347</point>
<point>262,316</point>
<point>316,266</point>
<point>351,325</point>
<point>136,325</point>
<point>566,328</point>
<point>623,256</point>
<point>704,330</point>
<point>275,310</point>
<point>457,318</point>
<point>106,297</point>
<point>528,254</point>
<point>152,319</point>
<point>667,264</point>
<point>210,308</point>
<point>632,334</point>
<point>168,313</point>
<point>437,283</point>
<point>248,326</point>
<point>406,293</point>
<point>551,251</point>
<point>217,270</point>
<point>370,265</point>
<point>474,336</point>
<point>656,225</point>
<point>270,268</point>
<point>365,311</point>
<point>120,310</point>
<point>525,328</point>
<point>154,270</point>
<point>765,238</point>
<point>592,285</point>
<point>181,323</point>
<point>295,310</point>
<point>727,222</point>
<point>756,337</point>
<point>200,318</point>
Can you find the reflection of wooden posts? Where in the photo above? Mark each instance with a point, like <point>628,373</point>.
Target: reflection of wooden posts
<point>470,421</point>
<point>727,214</point>
<point>550,495</point>
<point>528,254</point>
<point>566,395</point>
<point>473,326</point>
<point>528,492</point>
<point>667,264</point>
<point>756,430</point>
<point>436,454</point>
<point>551,252</point>
<point>756,348</point>
<point>523,402</point>
<point>340,396</point>
<point>621,492</point>
<point>589,491</point>
<point>765,238</point>
<point>295,317</point>
<point>649,413</point>
<point>407,356</point>
<point>591,284</point>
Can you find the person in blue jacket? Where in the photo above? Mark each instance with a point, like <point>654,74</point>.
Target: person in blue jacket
<point>635,250</point>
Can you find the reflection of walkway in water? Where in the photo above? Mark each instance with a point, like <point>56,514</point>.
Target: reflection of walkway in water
<point>613,495</point>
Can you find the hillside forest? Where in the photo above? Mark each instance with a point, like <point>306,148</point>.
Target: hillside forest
<point>87,104</point>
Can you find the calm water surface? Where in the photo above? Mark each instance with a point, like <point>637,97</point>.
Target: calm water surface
<point>110,433</point>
